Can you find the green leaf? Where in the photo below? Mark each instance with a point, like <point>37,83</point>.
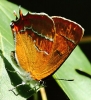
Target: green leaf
<point>9,79</point>
<point>78,68</point>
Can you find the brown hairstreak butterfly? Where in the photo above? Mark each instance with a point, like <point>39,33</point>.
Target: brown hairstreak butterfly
<point>43,43</point>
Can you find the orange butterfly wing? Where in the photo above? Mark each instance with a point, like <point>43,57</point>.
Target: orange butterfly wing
<point>43,43</point>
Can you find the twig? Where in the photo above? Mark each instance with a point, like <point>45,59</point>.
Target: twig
<point>86,39</point>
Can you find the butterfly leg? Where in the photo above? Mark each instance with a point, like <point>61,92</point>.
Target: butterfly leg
<point>23,83</point>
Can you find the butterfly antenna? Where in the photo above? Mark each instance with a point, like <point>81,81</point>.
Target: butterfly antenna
<point>65,79</point>
<point>15,14</point>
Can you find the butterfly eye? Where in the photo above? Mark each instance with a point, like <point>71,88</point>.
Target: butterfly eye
<point>12,25</point>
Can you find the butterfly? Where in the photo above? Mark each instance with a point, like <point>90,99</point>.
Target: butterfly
<point>43,43</point>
